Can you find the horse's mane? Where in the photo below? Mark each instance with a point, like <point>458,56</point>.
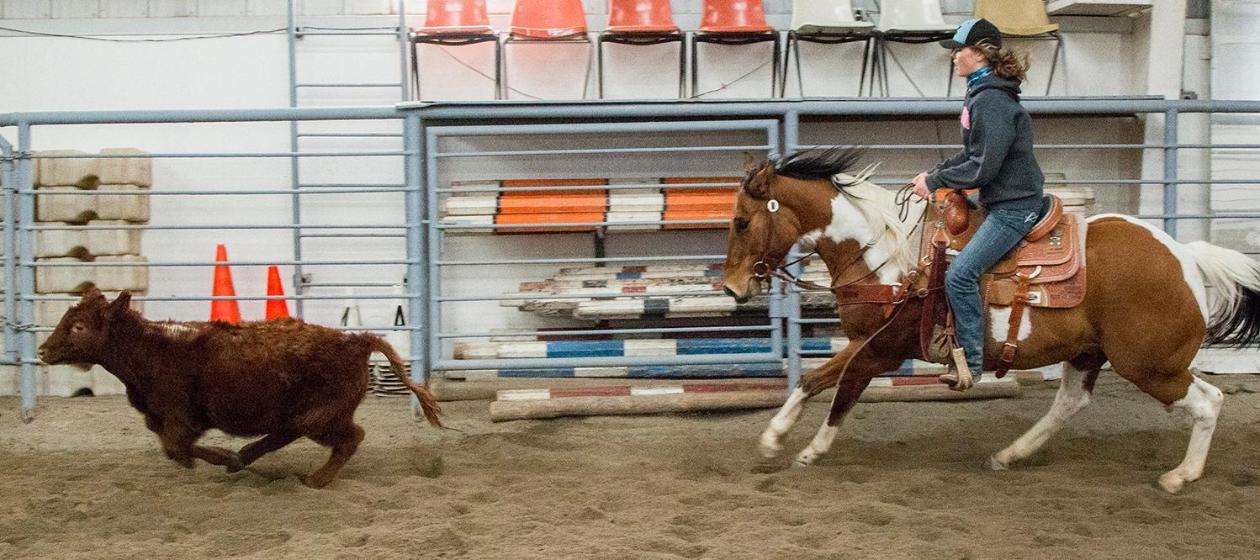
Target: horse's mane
<point>879,207</point>
<point>876,204</point>
<point>818,163</point>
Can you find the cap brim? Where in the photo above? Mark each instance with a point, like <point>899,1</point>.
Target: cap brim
<point>951,43</point>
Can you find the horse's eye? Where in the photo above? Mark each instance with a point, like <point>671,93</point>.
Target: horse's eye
<point>77,328</point>
<point>741,224</point>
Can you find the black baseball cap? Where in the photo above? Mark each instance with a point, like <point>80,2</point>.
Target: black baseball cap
<point>972,32</point>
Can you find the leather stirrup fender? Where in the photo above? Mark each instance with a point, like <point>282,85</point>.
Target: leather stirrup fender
<point>1006,358</point>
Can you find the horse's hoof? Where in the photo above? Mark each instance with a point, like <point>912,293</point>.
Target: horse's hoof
<point>996,464</point>
<point>767,467</point>
<point>770,446</point>
<point>805,459</point>
<point>234,465</point>
<point>1172,482</point>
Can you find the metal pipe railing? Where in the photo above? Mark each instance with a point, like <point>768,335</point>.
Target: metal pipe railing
<point>425,233</point>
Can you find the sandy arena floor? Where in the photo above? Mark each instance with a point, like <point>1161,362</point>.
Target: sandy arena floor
<point>86,480</point>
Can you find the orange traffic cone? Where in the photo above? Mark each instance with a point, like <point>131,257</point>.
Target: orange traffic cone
<point>276,308</point>
<point>220,309</point>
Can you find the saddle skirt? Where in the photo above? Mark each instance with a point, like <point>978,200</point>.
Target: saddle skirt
<point>1054,261</point>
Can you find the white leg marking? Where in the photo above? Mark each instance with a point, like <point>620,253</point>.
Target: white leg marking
<point>818,446</point>
<point>1071,398</point>
<point>822,440</point>
<point>781,423</point>
<point>1203,402</point>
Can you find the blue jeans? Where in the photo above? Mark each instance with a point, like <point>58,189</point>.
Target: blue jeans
<point>1000,232</point>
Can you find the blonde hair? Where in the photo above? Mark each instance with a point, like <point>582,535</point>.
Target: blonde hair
<point>1006,63</point>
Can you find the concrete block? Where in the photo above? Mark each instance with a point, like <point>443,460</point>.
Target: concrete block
<point>82,209</point>
<point>104,383</point>
<point>79,172</point>
<point>65,279</point>
<point>64,380</point>
<point>126,171</point>
<point>84,244</point>
<point>91,172</point>
<point>132,208</point>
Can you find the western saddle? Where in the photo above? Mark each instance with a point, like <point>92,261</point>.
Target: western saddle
<point>1043,270</point>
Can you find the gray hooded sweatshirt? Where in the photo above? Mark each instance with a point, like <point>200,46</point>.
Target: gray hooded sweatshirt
<point>997,155</point>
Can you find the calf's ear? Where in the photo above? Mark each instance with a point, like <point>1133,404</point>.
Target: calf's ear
<point>118,307</point>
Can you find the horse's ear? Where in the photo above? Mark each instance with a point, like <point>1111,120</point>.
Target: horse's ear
<point>750,163</point>
<point>758,183</point>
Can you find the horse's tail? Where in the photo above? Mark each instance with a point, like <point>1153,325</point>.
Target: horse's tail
<point>1235,277</point>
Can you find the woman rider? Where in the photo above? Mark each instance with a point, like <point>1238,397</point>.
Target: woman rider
<point>997,158</point>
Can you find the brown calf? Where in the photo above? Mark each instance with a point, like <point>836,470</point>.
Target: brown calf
<point>281,379</point>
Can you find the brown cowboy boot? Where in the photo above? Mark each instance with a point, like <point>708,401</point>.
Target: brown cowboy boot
<point>959,377</point>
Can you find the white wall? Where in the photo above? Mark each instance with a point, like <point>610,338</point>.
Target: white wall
<point>1234,39</point>
<point>43,74</point>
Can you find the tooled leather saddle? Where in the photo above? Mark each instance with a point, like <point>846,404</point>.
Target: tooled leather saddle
<point>1046,269</point>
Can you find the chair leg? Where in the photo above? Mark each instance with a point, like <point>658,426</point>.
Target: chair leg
<point>1054,60</point>
<point>866,53</point>
<point>586,76</point>
<point>694,69</point>
<point>774,63</point>
<point>415,71</point>
<point>503,70</point>
<point>499,78</point>
<point>787,66</point>
<point>800,77</point>
<point>682,66</point>
<point>599,65</point>
<point>882,64</point>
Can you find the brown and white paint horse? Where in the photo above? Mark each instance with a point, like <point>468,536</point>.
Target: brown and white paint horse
<point>1147,309</point>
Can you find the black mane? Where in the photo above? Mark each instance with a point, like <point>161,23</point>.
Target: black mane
<point>818,163</point>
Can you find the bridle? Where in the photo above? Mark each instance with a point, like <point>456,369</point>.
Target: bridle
<point>765,268</point>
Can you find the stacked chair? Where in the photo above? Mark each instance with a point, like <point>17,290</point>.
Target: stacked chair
<point>828,22</point>
<point>456,23</point>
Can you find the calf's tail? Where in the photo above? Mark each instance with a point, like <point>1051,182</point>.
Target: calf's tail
<point>428,403</point>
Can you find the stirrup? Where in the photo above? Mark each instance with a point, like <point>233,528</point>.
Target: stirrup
<point>959,378</point>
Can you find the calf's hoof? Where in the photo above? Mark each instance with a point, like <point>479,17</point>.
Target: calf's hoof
<point>234,463</point>
<point>316,482</point>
